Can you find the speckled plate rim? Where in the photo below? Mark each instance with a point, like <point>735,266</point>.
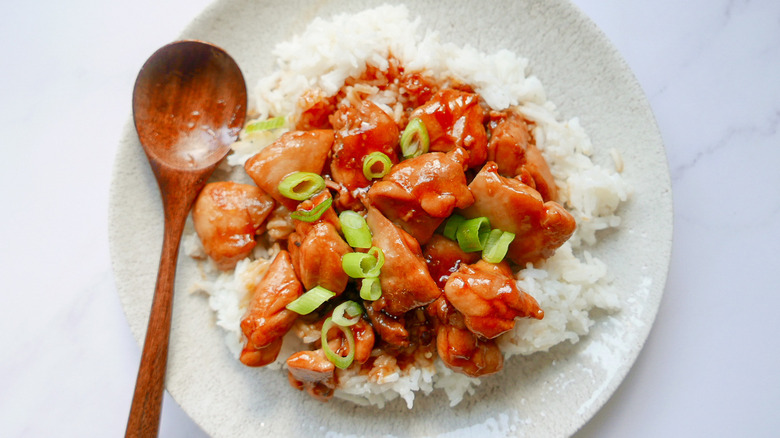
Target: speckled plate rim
<point>546,394</point>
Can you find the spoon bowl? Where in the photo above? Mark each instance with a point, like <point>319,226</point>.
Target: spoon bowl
<point>189,104</point>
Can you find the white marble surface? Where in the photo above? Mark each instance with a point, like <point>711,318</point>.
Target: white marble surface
<point>710,69</point>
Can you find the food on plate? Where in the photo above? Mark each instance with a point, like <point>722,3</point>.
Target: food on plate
<point>402,215</point>
<point>227,216</point>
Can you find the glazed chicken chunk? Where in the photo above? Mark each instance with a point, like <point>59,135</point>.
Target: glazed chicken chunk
<point>360,131</point>
<point>227,216</point>
<point>267,319</point>
<point>454,119</point>
<point>419,193</point>
<point>539,227</point>
<point>312,372</point>
<point>316,249</point>
<point>460,349</point>
<point>444,256</point>
<point>489,299</point>
<point>406,283</point>
<point>364,340</point>
<point>512,148</point>
<point>297,151</point>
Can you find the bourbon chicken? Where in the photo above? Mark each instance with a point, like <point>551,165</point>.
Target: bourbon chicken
<point>424,283</point>
<point>513,150</point>
<point>420,193</point>
<point>316,249</point>
<point>227,216</point>
<point>455,119</point>
<point>540,227</point>
<point>267,319</point>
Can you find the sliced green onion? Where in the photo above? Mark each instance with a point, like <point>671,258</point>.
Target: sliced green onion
<point>380,261</point>
<point>473,233</point>
<point>359,264</point>
<point>497,245</point>
<point>347,313</point>
<point>414,140</point>
<point>338,360</point>
<point>301,185</point>
<point>265,125</point>
<point>371,289</point>
<point>306,303</point>
<point>376,165</point>
<point>313,214</point>
<point>355,229</point>
<point>451,227</point>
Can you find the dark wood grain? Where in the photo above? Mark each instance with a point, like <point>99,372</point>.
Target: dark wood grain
<point>189,103</point>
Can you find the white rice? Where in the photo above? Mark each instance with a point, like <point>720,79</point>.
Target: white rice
<point>568,286</point>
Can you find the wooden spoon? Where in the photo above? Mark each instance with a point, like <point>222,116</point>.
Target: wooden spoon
<point>189,103</point>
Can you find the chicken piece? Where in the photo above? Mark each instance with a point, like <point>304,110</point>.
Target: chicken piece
<point>316,249</point>
<point>489,299</point>
<point>419,193</point>
<point>297,151</point>
<point>267,319</point>
<point>464,352</point>
<point>360,131</point>
<point>455,119</point>
<point>404,278</point>
<point>329,215</point>
<point>509,138</point>
<point>460,349</point>
<point>512,148</point>
<point>390,329</point>
<point>260,357</point>
<point>539,227</point>
<point>226,217</point>
<point>313,372</point>
<point>540,171</point>
<point>443,257</point>
<point>364,340</point>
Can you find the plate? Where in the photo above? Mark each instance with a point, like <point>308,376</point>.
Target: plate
<point>545,394</point>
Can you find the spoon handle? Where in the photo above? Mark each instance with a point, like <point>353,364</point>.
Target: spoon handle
<point>144,419</point>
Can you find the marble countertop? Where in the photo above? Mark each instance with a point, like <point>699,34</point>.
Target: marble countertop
<point>710,70</point>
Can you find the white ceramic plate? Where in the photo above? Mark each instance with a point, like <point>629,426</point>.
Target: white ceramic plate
<point>547,394</point>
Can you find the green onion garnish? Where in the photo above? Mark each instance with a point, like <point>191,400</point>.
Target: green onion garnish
<point>338,360</point>
<point>380,261</point>
<point>265,125</point>
<point>306,303</point>
<point>313,214</point>
<point>360,265</point>
<point>355,229</point>
<point>347,313</point>
<point>414,140</point>
<point>497,245</point>
<point>370,289</point>
<point>301,185</point>
<point>451,227</point>
<point>376,165</point>
<point>472,234</point>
